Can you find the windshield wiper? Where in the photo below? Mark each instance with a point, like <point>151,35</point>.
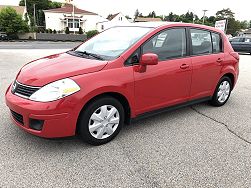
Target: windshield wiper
<point>96,56</point>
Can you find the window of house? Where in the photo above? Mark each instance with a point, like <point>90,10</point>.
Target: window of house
<point>217,43</point>
<point>201,42</point>
<point>168,44</point>
<point>76,25</point>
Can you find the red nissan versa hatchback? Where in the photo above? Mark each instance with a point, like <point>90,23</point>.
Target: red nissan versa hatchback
<point>122,74</point>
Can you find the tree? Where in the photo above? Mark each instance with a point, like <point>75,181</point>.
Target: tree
<point>40,6</point>
<point>225,14</point>
<point>136,14</point>
<point>11,22</point>
<point>91,33</point>
<point>152,14</point>
<point>233,26</point>
<point>244,24</point>
<point>172,17</point>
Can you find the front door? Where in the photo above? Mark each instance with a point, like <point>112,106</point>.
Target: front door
<point>167,83</point>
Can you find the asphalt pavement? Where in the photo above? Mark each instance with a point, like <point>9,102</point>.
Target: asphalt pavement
<point>199,146</point>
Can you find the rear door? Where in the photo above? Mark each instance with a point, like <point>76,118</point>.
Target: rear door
<point>207,56</point>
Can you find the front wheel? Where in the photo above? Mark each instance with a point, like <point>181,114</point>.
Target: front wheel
<point>101,121</point>
<point>222,92</point>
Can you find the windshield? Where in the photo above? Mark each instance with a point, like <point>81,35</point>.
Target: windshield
<point>111,43</point>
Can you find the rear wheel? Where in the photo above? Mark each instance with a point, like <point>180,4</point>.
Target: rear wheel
<point>222,92</point>
<point>101,121</point>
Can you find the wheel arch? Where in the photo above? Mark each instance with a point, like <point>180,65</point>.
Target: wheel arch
<point>232,78</point>
<point>120,97</point>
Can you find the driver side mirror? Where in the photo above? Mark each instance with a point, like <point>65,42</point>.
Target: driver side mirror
<point>149,59</point>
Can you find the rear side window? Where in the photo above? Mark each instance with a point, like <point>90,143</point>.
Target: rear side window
<point>217,43</point>
<point>168,44</point>
<point>201,42</point>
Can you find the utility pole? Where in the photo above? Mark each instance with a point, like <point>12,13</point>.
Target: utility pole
<point>73,9</point>
<point>25,4</point>
<point>35,22</point>
<point>204,15</point>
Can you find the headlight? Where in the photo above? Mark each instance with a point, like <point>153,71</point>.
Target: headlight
<point>55,90</point>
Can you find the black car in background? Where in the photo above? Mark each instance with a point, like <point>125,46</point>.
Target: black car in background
<point>241,44</point>
<point>3,36</point>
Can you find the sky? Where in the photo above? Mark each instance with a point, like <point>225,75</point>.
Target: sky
<point>161,7</point>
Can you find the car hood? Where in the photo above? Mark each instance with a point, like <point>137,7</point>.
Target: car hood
<point>55,67</point>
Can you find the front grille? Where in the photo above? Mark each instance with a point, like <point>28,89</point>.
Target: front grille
<point>17,117</point>
<point>23,90</point>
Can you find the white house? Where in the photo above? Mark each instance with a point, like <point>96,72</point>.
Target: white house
<point>112,20</point>
<point>73,18</point>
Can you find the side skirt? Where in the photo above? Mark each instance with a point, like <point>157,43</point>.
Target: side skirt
<point>167,109</point>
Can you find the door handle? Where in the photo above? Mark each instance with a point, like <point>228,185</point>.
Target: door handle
<point>184,66</point>
<point>219,60</point>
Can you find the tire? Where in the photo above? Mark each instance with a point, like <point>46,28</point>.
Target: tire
<point>95,126</point>
<point>221,96</point>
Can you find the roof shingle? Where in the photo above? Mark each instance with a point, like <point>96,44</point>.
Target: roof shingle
<point>68,8</point>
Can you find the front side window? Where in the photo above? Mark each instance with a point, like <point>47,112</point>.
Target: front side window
<point>201,42</point>
<point>217,43</point>
<point>113,42</point>
<point>168,44</point>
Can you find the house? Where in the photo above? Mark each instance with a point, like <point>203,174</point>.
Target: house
<point>113,20</point>
<point>21,10</point>
<point>247,32</point>
<point>142,19</point>
<point>71,17</point>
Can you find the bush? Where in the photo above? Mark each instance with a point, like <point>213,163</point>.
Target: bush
<point>67,31</point>
<point>49,30</point>
<point>46,31</point>
<point>35,29</point>
<point>11,22</point>
<point>80,31</point>
<point>41,30</point>
<point>54,31</point>
<point>91,33</point>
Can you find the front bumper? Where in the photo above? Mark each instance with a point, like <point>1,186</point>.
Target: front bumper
<point>59,117</point>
